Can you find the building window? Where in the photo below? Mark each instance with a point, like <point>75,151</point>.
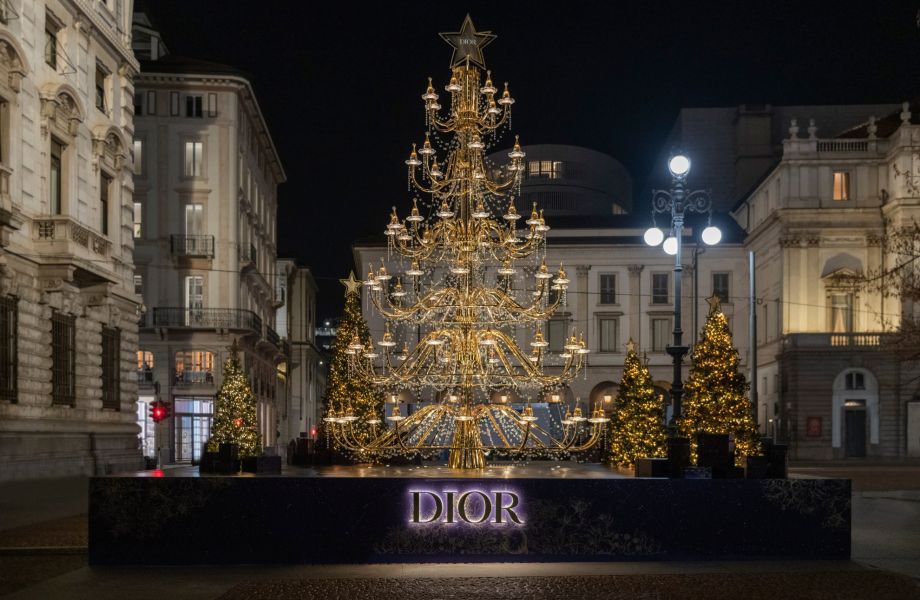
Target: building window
<point>105,185</point>
<point>62,359</point>
<point>661,332</point>
<point>720,286</point>
<point>193,106</point>
<point>840,314</point>
<point>51,52</point>
<point>56,187</point>
<point>9,313</point>
<point>111,349</point>
<point>194,367</point>
<point>4,130</point>
<point>138,157</point>
<point>855,380</point>
<point>139,103</point>
<point>841,185</point>
<point>608,288</point>
<point>548,169</point>
<point>555,330</point>
<point>139,285</point>
<point>194,298</point>
<point>101,77</point>
<point>608,334</point>
<point>660,288</point>
<point>193,162</point>
<point>194,219</point>
<point>151,103</point>
<point>138,219</point>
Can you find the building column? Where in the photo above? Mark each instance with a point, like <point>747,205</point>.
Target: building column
<point>582,287</point>
<point>635,303</point>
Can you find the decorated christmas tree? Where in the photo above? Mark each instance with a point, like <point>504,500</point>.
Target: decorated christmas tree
<point>637,426</point>
<point>235,411</point>
<point>350,389</point>
<point>715,399</point>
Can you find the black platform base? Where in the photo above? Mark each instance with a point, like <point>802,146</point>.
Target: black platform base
<point>221,520</point>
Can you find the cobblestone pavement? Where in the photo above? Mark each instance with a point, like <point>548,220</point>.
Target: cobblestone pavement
<point>860,585</point>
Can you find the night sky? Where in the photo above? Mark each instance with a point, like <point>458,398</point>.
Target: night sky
<point>340,85</point>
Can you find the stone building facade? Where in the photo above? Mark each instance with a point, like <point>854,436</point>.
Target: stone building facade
<point>68,312</point>
<point>204,221</point>
<point>306,370</point>
<point>830,381</point>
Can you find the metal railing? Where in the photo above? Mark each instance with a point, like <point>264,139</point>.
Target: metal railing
<point>834,340</point>
<point>272,336</point>
<point>145,376</point>
<point>189,377</point>
<point>207,318</point>
<point>192,245</point>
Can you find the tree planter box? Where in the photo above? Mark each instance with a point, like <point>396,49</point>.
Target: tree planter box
<point>262,464</point>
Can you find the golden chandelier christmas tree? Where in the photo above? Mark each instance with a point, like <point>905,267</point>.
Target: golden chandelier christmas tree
<point>472,283</point>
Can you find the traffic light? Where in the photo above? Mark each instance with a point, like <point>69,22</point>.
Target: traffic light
<point>158,411</point>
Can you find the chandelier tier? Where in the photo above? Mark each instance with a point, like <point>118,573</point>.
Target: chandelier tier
<point>473,285</point>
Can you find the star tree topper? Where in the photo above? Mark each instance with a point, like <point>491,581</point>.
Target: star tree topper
<point>468,44</point>
<point>715,304</point>
<point>351,284</point>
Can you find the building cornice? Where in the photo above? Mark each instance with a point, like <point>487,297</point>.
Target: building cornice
<point>83,9</point>
<point>152,78</point>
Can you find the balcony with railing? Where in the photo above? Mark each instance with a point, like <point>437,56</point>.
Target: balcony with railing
<point>64,235</point>
<point>207,318</point>
<point>145,377</point>
<point>192,246</point>
<point>827,341</point>
<point>248,256</point>
<point>190,377</point>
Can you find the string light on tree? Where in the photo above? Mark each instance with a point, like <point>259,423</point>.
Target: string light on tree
<point>637,427</point>
<point>716,392</point>
<point>462,291</point>
<point>235,411</point>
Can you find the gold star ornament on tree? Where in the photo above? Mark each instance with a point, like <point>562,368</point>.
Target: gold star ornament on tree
<point>351,284</point>
<point>468,44</point>
<point>715,304</point>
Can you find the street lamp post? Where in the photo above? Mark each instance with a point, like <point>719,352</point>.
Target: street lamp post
<point>676,202</point>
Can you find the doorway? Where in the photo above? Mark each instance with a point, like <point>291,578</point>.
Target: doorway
<point>193,427</point>
<point>855,432</point>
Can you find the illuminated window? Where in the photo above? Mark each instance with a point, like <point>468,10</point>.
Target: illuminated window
<point>138,219</point>
<point>840,312</point>
<point>193,158</point>
<point>194,367</point>
<point>138,157</point>
<point>841,185</point>
<point>549,169</point>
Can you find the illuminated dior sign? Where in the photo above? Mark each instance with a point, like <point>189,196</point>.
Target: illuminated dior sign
<point>473,507</point>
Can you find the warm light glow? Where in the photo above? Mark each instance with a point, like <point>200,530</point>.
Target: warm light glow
<point>711,235</point>
<point>653,236</point>
<point>670,245</point>
<point>679,165</point>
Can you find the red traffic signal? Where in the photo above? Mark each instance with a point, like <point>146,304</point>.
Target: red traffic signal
<point>159,411</point>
